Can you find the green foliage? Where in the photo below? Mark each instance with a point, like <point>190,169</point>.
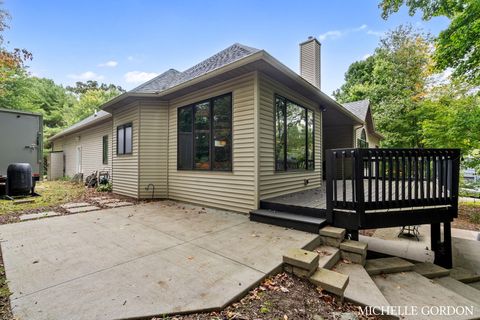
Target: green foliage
<point>88,102</point>
<point>394,79</point>
<point>105,187</point>
<point>458,46</point>
<point>451,114</point>
<point>83,87</point>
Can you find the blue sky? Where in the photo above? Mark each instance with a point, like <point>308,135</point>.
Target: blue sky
<point>125,42</point>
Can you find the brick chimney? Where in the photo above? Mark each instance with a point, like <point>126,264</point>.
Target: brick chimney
<point>310,61</point>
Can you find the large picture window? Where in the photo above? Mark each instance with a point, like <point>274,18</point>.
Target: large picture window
<point>205,135</point>
<point>294,136</point>
<point>124,139</point>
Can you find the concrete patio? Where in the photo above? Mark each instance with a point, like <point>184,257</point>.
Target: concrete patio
<point>138,261</point>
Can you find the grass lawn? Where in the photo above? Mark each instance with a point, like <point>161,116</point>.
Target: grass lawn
<point>52,193</point>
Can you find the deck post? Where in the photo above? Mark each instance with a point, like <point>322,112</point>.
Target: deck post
<point>359,187</point>
<point>329,184</point>
<point>442,249</point>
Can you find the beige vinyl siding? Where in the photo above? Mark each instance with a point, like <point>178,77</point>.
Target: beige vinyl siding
<point>125,167</point>
<point>153,149</point>
<point>228,190</point>
<point>271,182</point>
<point>371,139</point>
<point>91,142</point>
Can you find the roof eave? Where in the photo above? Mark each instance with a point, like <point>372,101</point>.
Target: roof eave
<point>307,85</point>
<point>67,132</point>
<point>109,105</point>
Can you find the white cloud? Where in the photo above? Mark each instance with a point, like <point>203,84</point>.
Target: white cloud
<point>87,75</point>
<point>332,34</point>
<point>335,34</point>
<point>365,56</point>
<point>138,76</point>
<point>130,58</point>
<point>110,64</point>
<point>375,33</point>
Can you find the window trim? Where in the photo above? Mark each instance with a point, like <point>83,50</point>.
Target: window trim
<point>211,131</point>
<point>124,126</point>
<point>105,152</point>
<point>285,151</point>
<point>363,143</point>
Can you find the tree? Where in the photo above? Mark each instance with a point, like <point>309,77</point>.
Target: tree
<point>394,79</point>
<point>83,87</point>
<point>451,117</point>
<point>87,103</point>
<point>458,46</point>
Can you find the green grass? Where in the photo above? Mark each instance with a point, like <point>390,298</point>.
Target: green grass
<point>52,193</point>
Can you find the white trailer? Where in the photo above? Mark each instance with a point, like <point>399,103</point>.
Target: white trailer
<point>21,141</point>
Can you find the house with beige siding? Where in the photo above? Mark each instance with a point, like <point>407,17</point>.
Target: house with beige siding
<point>236,128</point>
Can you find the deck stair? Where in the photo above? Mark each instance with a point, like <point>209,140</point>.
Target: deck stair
<point>297,211</point>
<point>296,221</point>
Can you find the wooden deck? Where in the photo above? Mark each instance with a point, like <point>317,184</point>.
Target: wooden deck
<point>313,198</point>
<point>316,198</point>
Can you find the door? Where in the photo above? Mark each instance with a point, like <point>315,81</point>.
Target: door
<point>79,159</point>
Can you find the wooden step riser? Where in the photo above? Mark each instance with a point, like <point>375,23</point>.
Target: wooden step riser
<point>305,211</point>
<point>297,225</point>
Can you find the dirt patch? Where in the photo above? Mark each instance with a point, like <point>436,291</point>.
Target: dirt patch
<point>5,310</point>
<point>468,216</point>
<point>283,296</point>
<point>53,195</point>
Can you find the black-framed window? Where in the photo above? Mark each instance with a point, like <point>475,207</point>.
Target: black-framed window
<point>124,139</point>
<point>294,136</point>
<point>105,149</point>
<point>205,135</point>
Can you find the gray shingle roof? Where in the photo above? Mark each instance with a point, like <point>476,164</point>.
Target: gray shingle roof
<point>99,115</point>
<point>358,108</point>
<point>173,77</point>
<point>158,83</point>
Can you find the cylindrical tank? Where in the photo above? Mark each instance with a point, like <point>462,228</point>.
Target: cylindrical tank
<point>19,179</point>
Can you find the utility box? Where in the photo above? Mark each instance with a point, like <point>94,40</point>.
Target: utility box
<point>21,141</point>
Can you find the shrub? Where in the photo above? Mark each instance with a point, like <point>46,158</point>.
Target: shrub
<point>105,187</point>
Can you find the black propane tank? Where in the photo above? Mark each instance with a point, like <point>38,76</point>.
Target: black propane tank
<point>19,179</point>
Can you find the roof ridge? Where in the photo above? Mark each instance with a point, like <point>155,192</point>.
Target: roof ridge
<point>169,71</point>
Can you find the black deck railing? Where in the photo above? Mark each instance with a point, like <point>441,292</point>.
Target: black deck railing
<point>361,180</point>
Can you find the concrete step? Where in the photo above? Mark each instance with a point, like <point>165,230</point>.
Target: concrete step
<point>330,281</point>
<point>464,275</point>
<point>475,285</point>
<point>288,220</point>
<point>461,288</point>
<point>332,236</point>
<point>430,270</point>
<point>354,251</point>
<point>300,258</point>
<point>409,289</point>
<point>328,256</point>
<point>361,289</point>
<point>387,265</point>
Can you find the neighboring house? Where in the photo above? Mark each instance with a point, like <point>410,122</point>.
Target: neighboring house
<point>234,129</point>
